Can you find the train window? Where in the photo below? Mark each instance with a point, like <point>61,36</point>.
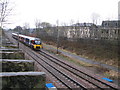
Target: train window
<point>37,42</point>
<point>27,40</point>
<point>21,37</point>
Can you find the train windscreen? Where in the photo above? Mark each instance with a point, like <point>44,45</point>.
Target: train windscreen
<point>37,42</point>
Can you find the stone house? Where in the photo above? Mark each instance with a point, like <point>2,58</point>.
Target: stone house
<point>81,30</point>
<point>110,29</point>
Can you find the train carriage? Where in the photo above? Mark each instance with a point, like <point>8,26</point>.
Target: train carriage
<point>34,43</point>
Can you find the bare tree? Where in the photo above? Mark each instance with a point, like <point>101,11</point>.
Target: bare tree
<point>38,26</point>
<point>72,32</point>
<point>37,23</point>
<point>5,10</point>
<point>95,17</point>
<point>26,28</point>
<point>65,30</point>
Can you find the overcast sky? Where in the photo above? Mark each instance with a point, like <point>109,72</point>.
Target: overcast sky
<point>27,11</point>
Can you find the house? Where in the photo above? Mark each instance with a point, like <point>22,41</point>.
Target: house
<point>110,29</point>
<point>81,30</point>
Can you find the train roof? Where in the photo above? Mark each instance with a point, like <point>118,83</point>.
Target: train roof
<point>28,37</point>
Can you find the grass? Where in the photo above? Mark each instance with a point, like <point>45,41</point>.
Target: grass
<point>112,74</point>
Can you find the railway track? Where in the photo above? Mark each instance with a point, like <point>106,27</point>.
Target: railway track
<point>99,83</point>
<point>68,75</point>
<point>61,76</point>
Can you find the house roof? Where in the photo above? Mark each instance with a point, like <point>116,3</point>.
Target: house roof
<point>83,24</point>
<point>114,23</point>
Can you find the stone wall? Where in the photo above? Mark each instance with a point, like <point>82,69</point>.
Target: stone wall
<point>17,65</point>
<point>23,80</point>
<point>12,55</point>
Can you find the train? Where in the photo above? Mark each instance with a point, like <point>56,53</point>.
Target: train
<point>32,42</point>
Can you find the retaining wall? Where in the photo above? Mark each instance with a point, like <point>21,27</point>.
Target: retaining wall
<point>23,80</point>
<point>17,65</point>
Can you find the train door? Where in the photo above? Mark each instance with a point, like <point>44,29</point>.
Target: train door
<point>27,41</point>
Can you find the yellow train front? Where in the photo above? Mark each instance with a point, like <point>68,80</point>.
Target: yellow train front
<point>36,44</point>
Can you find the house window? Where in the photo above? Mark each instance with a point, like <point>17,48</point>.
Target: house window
<point>115,32</point>
<point>106,31</point>
<point>116,24</point>
<point>105,24</point>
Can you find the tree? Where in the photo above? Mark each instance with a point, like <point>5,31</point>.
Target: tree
<point>26,28</point>
<point>72,27</point>
<point>64,29</point>
<point>5,11</point>
<point>18,29</point>
<point>37,23</point>
<point>38,26</point>
<point>95,17</point>
<point>45,25</point>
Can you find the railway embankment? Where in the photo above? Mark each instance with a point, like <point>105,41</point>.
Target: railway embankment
<point>15,71</point>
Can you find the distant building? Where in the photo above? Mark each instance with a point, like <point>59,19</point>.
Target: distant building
<point>119,10</point>
<point>111,24</point>
<point>110,29</point>
<point>81,30</point>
